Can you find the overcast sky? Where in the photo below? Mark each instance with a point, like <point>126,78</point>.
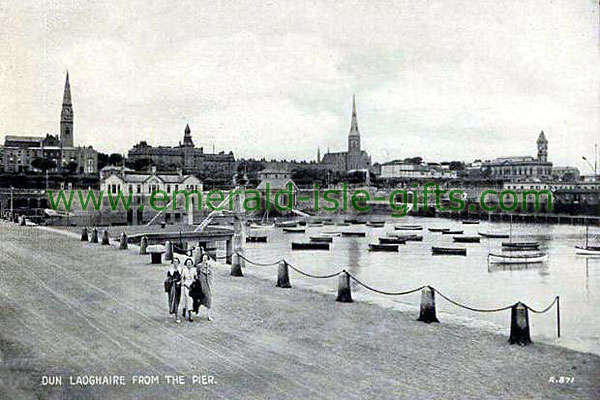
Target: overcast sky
<point>442,79</point>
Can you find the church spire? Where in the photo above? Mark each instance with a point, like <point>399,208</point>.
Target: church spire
<point>67,92</point>
<point>187,137</point>
<point>354,123</point>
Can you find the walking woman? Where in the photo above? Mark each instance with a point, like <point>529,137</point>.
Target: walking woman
<point>173,287</point>
<point>204,276</point>
<point>188,277</point>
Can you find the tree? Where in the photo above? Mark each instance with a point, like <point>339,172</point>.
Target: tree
<point>457,165</point>
<point>414,160</point>
<point>115,159</point>
<point>102,160</point>
<point>43,164</point>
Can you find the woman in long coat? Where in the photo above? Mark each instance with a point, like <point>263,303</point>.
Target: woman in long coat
<point>204,276</point>
<point>173,287</point>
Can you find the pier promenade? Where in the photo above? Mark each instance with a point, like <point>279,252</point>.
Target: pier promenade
<point>73,309</point>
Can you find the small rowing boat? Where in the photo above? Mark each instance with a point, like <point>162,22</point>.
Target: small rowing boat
<point>356,234</point>
<point>309,246</point>
<point>587,250</point>
<point>383,247</point>
<point>449,251</point>
<point>438,229</point>
<point>521,245</point>
<point>466,239</point>
<point>256,239</point>
<point>294,230</point>
<point>470,222</point>
<point>392,240</point>
<point>321,239</point>
<point>408,227</point>
<point>452,232</point>
<point>376,224</point>
<point>494,235</point>
<point>331,234</point>
<point>517,258</point>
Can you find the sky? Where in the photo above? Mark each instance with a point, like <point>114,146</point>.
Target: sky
<point>445,80</point>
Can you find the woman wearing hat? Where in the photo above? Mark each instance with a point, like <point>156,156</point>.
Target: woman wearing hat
<point>188,277</point>
<point>173,287</point>
<point>204,275</point>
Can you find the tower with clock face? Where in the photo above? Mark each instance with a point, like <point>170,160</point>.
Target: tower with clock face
<point>542,145</point>
<point>66,117</point>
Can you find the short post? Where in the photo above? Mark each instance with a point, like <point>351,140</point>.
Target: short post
<point>519,325</point>
<point>84,235</point>
<point>123,241</point>
<point>156,257</point>
<point>22,220</point>
<point>168,250</point>
<point>344,292</point>
<point>427,310</point>
<point>144,245</point>
<point>558,316</point>
<point>283,276</point>
<point>105,241</point>
<point>94,238</point>
<point>228,252</point>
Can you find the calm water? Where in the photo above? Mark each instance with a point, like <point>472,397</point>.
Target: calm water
<point>468,280</point>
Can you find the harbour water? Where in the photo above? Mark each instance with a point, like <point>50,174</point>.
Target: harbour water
<point>469,280</point>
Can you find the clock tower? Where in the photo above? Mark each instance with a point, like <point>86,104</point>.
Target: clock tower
<point>66,117</point>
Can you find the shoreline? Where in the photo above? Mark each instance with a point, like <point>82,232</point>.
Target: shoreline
<point>276,342</point>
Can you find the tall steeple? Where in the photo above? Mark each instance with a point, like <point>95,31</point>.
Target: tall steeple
<point>354,134</point>
<point>542,145</point>
<point>187,137</point>
<point>66,117</point>
<point>354,122</point>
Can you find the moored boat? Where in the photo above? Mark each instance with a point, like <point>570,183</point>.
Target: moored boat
<point>452,251</point>
<point>494,235</point>
<point>466,239</point>
<point>256,239</point>
<point>383,247</point>
<point>392,240</point>
<point>521,245</point>
<point>356,234</point>
<point>262,226</point>
<point>470,222</point>
<point>331,233</point>
<point>321,239</point>
<point>309,246</point>
<point>408,227</point>
<point>587,250</point>
<point>526,258</point>
<point>438,229</point>
<point>448,232</point>
<point>294,230</point>
<point>376,224</point>
<point>286,224</point>
<point>407,237</point>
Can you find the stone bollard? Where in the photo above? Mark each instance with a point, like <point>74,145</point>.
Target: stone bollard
<point>168,250</point>
<point>236,266</point>
<point>283,276</point>
<point>84,235</point>
<point>123,241</point>
<point>105,241</point>
<point>519,325</point>
<point>427,312</point>
<point>144,245</point>
<point>344,292</point>
<point>94,238</point>
<point>22,220</point>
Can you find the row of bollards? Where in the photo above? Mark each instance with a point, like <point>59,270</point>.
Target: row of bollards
<point>105,238</point>
<point>519,323</point>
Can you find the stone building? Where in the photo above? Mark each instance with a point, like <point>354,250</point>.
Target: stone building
<point>353,159</point>
<point>188,157</point>
<point>521,167</point>
<point>19,152</point>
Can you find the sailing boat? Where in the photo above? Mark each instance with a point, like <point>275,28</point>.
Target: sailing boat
<point>523,258</point>
<point>264,223</point>
<point>586,249</point>
<point>491,234</point>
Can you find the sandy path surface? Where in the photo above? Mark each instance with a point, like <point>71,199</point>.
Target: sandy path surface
<point>72,308</point>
